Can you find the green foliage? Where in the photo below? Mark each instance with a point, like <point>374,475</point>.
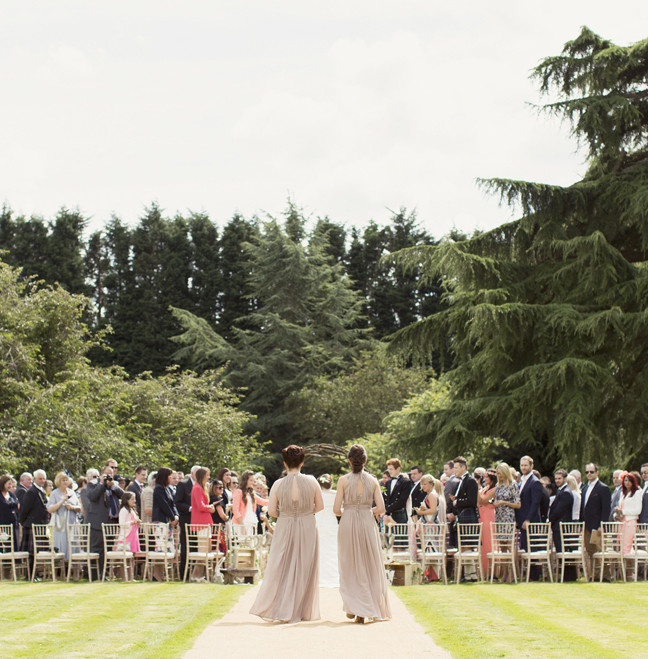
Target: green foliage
<point>304,325</point>
<point>547,319</point>
<point>342,408</point>
<point>57,411</point>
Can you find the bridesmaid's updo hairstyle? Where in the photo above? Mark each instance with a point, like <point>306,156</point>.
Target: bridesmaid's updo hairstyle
<point>293,456</point>
<point>357,456</point>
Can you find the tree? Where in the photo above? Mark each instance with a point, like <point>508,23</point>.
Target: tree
<point>547,314</point>
<point>393,298</point>
<point>305,325</point>
<point>350,404</point>
<point>57,411</point>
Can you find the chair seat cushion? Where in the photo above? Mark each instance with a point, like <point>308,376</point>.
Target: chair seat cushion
<point>161,554</point>
<point>17,555</point>
<point>119,554</point>
<point>49,554</point>
<point>83,555</point>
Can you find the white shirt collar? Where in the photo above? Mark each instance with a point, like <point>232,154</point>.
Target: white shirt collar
<point>593,483</point>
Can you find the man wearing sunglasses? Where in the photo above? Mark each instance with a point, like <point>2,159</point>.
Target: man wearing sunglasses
<point>595,508</point>
<point>643,518</point>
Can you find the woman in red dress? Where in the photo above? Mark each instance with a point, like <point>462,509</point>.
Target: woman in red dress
<point>487,514</point>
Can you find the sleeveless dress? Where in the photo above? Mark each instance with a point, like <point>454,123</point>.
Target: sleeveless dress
<point>327,530</point>
<point>289,590</point>
<point>363,583</point>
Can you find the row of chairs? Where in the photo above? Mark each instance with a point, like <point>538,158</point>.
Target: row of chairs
<point>208,546</point>
<point>428,545</point>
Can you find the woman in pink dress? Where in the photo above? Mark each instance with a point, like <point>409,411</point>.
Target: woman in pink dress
<point>629,509</point>
<point>485,501</point>
<point>245,502</point>
<point>129,534</point>
<point>201,513</point>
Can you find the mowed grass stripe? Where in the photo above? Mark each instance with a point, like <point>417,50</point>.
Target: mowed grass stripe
<point>527,620</point>
<point>141,620</point>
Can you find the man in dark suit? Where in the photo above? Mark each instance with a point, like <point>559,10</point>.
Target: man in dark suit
<point>595,508</point>
<point>397,493</point>
<point>643,517</point>
<point>464,503</point>
<point>417,496</point>
<point>33,511</point>
<point>616,493</point>
<point>137,485</point>
<point>100,498</point>
<point>182,501</point>
<point>561,511</point>
<point>26,481</point>
<point>530,497</point>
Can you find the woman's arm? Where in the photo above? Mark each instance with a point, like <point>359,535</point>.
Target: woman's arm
<point>199,501</point>
<point>379,508</point>
<point>339,496</point>
<point>319,501</point>
<point>485,496</point>
<point>273,503</point>
<point>432,505</point>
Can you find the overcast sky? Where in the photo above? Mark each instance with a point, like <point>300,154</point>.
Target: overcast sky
<point>350,107</point>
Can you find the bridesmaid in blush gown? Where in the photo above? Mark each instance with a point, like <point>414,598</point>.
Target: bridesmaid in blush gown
<point>363,584</point>
<point>289,591</point>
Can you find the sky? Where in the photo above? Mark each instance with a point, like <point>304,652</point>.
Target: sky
<point>351,108</point>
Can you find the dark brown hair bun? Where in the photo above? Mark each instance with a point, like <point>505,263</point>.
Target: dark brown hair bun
<point>293,456</point>
<point>357,456</point>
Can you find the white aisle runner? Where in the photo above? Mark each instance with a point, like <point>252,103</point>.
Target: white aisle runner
<point>332,636</point>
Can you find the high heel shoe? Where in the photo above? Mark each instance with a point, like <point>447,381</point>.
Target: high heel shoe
<point>359,620</point>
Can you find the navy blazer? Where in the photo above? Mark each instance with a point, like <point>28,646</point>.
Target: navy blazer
<point>530,496</point>
<point>560,511</point>
<point>643,517</point>
<point>164,509</point>
<point>597,509</point>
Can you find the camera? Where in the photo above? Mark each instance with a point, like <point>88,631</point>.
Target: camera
<point>108,478</point>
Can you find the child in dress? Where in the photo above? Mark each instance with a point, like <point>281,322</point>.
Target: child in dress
<point>128,518</point>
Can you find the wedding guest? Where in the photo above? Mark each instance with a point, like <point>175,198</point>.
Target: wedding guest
<point>576,493</point>
<point>439,489</point>
<point>616,493</point>
<point>486,499</point>
<point>201,513</point>
<point>224,475</point>
<point>137,485</point>
<point>33,510</point>
<point>245,501</point>
<point>643,518</point>
<point>129,522</point>
<point>629,509</point>
<point>507,501</point>
<point>9,506</point>
<point>25,482</point>
<point>147,498</point>
<point>595,508</point>
<point>217,499</point>
<point>398,489</point>
<point>165,511</point>
<point>63,506</point>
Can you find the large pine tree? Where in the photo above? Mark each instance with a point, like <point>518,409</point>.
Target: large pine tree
<point>548,318</point>
<point>304,325</point>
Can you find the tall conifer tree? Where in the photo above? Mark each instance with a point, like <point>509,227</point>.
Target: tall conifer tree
<point>548,319</point>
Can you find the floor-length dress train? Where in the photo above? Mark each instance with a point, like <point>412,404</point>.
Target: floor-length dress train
<point>363,584</point>
<point>289,590</point>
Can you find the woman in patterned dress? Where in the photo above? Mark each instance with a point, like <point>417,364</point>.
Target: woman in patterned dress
<point>507,499</point>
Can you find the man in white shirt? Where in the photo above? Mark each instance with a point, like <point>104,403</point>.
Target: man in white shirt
<point>595,508</point>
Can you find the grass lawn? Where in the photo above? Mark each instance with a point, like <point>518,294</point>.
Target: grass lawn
<point>112,619</point>
<point>537,619</point>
